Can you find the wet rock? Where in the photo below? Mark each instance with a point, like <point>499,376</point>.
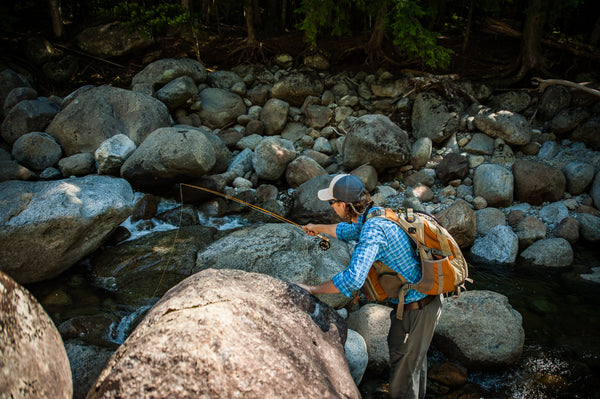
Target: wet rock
<point>481,330</point>
<point>552,252</point>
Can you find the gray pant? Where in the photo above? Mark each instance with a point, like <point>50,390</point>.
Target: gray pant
<point>408,341</point>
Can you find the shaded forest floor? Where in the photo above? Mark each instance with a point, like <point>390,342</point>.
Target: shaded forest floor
<point>486,58</point>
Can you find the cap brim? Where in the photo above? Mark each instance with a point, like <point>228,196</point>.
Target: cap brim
<point>325,195</point>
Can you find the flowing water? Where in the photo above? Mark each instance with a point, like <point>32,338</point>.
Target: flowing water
<point>560,312</point>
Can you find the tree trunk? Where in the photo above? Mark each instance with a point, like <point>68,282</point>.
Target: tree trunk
<point>249,16</point>
<point>283,15</point>
<point>56,18</point>
<point>531,50</point>
<point>468,32</point>
<point>376,39</point>
<point>185,4</point>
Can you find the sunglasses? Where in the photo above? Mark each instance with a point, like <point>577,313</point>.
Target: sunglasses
<point>333,201</point>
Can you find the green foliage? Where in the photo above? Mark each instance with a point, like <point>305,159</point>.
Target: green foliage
<point>322,14</point>
<point>412,38</point>
<point>150,20</point>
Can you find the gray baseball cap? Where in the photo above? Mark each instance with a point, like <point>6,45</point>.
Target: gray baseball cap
<point>344,187</point>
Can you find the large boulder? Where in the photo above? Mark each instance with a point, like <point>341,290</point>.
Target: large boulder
<point>481,330</point>
<point>308,207</point>
<point>376,140</point>
<point>34,362</point>
<point>274,116</point>
<point>48,226</point>
<point>232,334</point>
<point>87,361</point>
<point>433,117</point>
<point>302,169</point>
<point>160,72</point>
<point>551,252</point>
<point>536,182</point>
<point>102,112</point>
<point>36,150</point>
<point>168,154</point>
<point>279,250</point>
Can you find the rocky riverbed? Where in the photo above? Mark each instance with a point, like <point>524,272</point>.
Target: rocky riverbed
<point>513,175</point>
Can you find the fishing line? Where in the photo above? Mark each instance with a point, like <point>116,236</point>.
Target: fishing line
<point>324,244</point>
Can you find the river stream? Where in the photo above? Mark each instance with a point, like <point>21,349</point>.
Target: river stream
<point>560,318</point>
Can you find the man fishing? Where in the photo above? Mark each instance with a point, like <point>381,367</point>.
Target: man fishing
<point>379,239</point>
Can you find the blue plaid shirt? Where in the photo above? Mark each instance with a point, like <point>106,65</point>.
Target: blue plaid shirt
<point>378,239</point>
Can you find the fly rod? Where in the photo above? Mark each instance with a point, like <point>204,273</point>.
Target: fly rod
<point>324,244</point>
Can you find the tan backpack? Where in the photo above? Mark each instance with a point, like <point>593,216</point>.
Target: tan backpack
<point>443,266</point>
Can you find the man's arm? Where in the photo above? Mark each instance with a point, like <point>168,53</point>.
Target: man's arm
<point>314,229</point>
<point>323,288</point>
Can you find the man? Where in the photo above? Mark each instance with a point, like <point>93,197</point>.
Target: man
<point>379,239</point>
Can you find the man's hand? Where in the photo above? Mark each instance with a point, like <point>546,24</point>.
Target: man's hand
<point>305,287</point>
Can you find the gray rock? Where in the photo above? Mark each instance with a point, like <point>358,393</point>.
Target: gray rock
<point>170,153</point>
<point>494,183</point>
<point>177,92</point>
<point>511,127</point>
<point>9,80</point>
<point>480,144</point>
<point>160,72</point>
<point>488,218</point>
<point>87,361</point>
<point>554,99</point>
<point>17,95</point>
<point>102,112</point>
<point>376,140</point>
<point>34,362</point>
<point>554,213</point>
<point>220,107</point>
<point>357,355</point>
<point>579,175</point>
<point>529,230</point>
<point>274,116</point>
<point>513,101</point>
<point>589,227</point>
<point>481,330</point>
<point>232,317</point>
<point>279,250</point>
<point>77,165</point>
<point>500,245</point>
<point>112,153</point>
<point>317,116</point>
<point>593,277</point>
<point>433,117</point>
<point>63,220</point>
<point>421,152</point>
<point>27,116</point>
<point>301,170</point>
<point>552,252</point>
<point>295,87</point>
<point>372,322</point>
<point>241,163</point>
<point>272,156</point>
<point>36,150</point>
<point>224,79</point>
<point>568,119</point>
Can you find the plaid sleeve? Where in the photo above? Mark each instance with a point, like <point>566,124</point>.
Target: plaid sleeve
<point>348,231</point>
<point>363,256</point>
